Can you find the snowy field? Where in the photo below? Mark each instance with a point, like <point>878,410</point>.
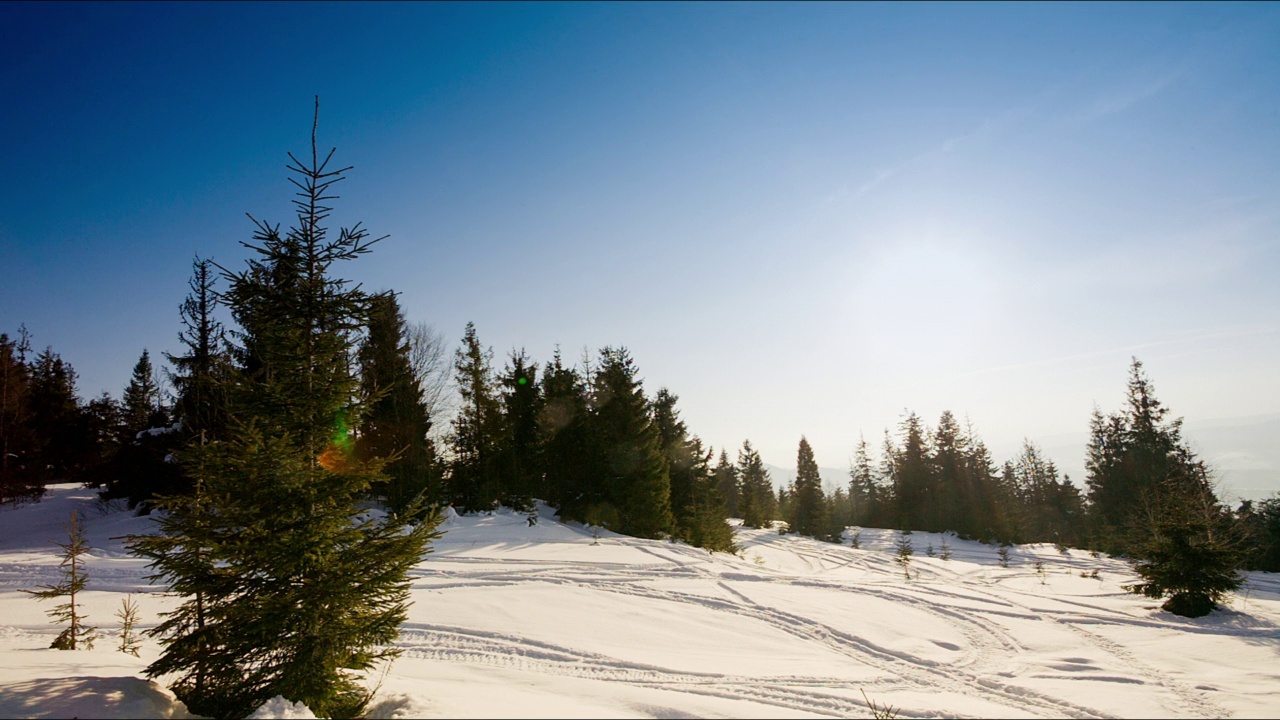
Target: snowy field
<point>516,621</point>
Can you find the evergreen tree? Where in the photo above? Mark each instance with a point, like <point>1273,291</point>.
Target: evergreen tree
<point>696,501</point>
<point>1260,528</point>
<point>475,482</point>
<point>1136,457</point>
<point>808,512</point>
<point>727,481</point>
<point>521,403</point>
<point>755,497</point>
<point>61,444</point>
<point>914,491</point>
<point>1191,549</point>
<point>19,478</point>
<point>864,491</point>
<point>636,480</point>
<point>395,424</point>
<point>1049,509</point>
<point>142,407</point>
<point>138,469</point>
<point>74,579</point>
<point>200,373</point>
<point>572,483</point>
<point>287,587</point>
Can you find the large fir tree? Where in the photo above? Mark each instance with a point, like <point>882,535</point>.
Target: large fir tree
<point>18,476</point>
<point>395,423</point>
<point>475,478</point>
<point>521,404</point>
<point>636,481</point>
<point>287,587</point>
<point>572,483</point>
<point>696,500</point>
<point>808,511</point>
<point>756,500</point>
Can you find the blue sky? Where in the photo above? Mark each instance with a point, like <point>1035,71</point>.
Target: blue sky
<point>800,218</point>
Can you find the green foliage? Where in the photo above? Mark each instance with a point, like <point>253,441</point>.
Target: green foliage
<point>200,373</point>
<point>19,478</point>
<point>808,512</point>
<point>475,481</point>
<point>521,405</point>
<point>756,500</point>
<point>1003,555</point>
<point>1191,553</point>
<point>74,579</point>
<point>287,587</point>
<point>634,472</point>
<point>128,614</point>
<point>696,499</point>
<point>568,462</point>
<point>395,422</point>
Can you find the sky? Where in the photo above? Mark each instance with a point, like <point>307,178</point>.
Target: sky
<point>802,219</point>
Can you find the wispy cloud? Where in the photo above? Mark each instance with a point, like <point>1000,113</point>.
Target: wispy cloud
<point>1121,99</point>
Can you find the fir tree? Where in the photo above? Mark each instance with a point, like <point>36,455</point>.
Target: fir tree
<point>18,443</point>
<point>142,407</point>
<point>756,498</point>
<point>904,551</point>
<point>128,614</point>
<point>696,499</point>
<point>475,483</point>
<point>199,374</point>
<point>55,421</point>
<point>1190,552</point>
<point>636,480</point>
<point>74,579</point>
<point>138,470</point>
<point>287,587</point>
<point>395,424</point>
<point>808,514</point>
<point>521,404</point>
<point>571,481</point>
<point>727,481</point>
<point>864,492</point>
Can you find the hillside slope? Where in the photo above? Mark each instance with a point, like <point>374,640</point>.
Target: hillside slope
<point>513,620</point>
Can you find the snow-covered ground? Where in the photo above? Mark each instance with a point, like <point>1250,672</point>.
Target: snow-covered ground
<point>513,620</point>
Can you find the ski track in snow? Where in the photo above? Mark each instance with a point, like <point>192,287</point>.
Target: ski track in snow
<point>988,642</point>
<point>980,605</point>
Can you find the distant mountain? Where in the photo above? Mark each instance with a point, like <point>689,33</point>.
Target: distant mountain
<point>831,477</point>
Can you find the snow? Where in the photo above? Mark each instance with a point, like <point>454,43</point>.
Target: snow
<point>513,620</point>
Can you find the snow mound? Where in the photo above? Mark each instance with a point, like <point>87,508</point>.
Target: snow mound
<point>91,696</point>
<point>277,708</point>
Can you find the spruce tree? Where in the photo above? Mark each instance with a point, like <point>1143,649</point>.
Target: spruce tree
<point>286,586</point>
<point>808,511</point>
<point>568,462</point>
<point>757,502</point>
<point>74,579</point>
<point>475,479</point>
<point>864,492</point>
<point>727,481</point>
<point>199,374</point>
<point>141,400</point>
<point>18,476</point>
<point>56,421</point>
<point>521,404</point>
<point>1135,455</point>
<point>696,500</point>
<point>138,469</point>
<point>395,423</point>
<point>636,481</point>
<point>914,489</point>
